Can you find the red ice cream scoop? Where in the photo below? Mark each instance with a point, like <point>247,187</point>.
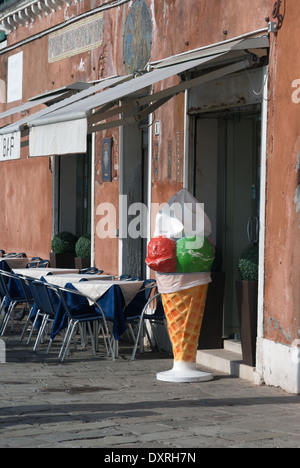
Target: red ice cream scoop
<point>162,255</point>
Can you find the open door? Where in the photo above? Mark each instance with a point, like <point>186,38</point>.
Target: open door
<point>226,180</point>
<point>134,192</point>
<point>72,193</point>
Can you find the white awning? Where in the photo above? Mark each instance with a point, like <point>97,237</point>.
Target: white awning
<point>238,45</point>
<point>17,126</point>
<point>59,138</point>
<point>29,105</point>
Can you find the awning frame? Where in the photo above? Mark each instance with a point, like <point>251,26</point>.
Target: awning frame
<point>133,111</point>
<point>20,125</point>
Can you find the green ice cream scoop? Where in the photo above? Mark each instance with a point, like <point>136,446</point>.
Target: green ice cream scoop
<point>194,254</point>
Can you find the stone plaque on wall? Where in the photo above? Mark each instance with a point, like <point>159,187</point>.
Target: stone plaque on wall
<point>77,38</point>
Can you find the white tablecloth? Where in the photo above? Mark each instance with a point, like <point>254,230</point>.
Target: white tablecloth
<point>62,280</point>
<point>95,289</point>
<point>39,272</point>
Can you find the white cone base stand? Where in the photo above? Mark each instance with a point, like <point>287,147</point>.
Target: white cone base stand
<point>184,372</point>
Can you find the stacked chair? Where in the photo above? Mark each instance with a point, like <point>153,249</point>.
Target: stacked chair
<point>37,262</point>
<point>90,271</point>
<point>14,255</point>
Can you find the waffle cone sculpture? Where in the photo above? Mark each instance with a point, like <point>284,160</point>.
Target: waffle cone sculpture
<point>184,313</point>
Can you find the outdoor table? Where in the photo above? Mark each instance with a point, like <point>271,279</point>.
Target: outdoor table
<point>13,262</point>
<point>57,280</point>
<point>111,296</point>
<point>39,272</point>
<point>62,280</point>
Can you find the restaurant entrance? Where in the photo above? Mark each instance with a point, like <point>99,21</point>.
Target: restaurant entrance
<point>227,181</point>
<point>134,193</point>
<point>72,193</point>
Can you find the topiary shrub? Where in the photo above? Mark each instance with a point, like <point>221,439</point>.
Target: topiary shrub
<point>248,263</point>
<point>63,242</point>
<point>83,246</point>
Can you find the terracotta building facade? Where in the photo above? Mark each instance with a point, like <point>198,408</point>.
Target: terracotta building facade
<point>109,105</point>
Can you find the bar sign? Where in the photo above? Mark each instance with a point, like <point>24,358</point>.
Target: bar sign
<point>10,145</point>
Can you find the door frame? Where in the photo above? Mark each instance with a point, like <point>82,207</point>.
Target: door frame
<point>189,155</point>
<point>124,167</point>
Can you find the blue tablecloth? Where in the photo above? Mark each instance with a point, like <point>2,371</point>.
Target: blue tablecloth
<point>4,266</point>
<point>111,302</point>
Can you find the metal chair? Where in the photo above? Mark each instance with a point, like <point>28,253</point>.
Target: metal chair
<point>80,309</point>
<point>38,262</point>
<point>30,301</point>
<point>15,255</point>
<point>134,309</point>
<point>14,295</point>
<point>90,271</point>
<point>46,309</point>
<point>33,263</point>
<point>123,277</point>
<point>156,317</point>
<point>3,299</point>
<point>43,264</point>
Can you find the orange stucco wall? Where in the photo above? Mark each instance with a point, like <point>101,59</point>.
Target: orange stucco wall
<point>282,261</point>
<point>26,207</point>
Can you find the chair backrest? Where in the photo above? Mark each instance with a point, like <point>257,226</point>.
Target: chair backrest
<point>46,302</point>
<point>27,291</point>
<point>73,301</point>
<point>15,255</point>
<point>43,264</point>
<point>136,306</point>
<point>159,312</point>
<point>2,288</point>
<point>90,271</point>
<point>12,286</point>
<point>34,262</point>
<point>37,262</point>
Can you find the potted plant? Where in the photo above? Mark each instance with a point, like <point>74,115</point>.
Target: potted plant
<point>63,250</point>
<point>83,252</point>
<point>211,334</point>
<point>247,289</point>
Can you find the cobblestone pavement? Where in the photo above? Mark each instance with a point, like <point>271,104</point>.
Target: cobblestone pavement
<point>89,402</point>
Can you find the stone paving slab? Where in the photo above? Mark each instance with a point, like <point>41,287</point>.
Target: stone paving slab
<point>94,402</point>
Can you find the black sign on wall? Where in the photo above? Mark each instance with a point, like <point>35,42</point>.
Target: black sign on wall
<point>106,159</point>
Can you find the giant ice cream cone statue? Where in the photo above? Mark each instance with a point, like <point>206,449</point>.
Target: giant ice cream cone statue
<point>184,313</point>
<point>182,268</point>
